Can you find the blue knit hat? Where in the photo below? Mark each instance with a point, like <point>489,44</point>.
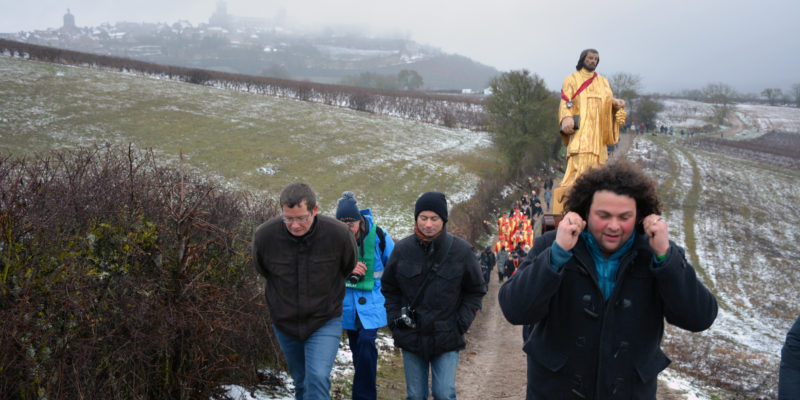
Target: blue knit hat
<point>347,210</point>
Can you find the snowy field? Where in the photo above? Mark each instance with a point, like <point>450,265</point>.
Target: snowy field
<point>738,221</point>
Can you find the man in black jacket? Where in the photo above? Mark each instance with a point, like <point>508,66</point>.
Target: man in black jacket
<point>596,298</point>
<point>433,288</point>
<point>487,263</point>
<point>305,258</point>
<point>789,376</point>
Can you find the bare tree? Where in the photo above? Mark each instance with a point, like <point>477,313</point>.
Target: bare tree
<point>773,95</point>
<point>627,86</point>
<point>796,94</point>
<point>722,97</point>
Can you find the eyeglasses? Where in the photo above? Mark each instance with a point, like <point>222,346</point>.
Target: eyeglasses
<point>289,221</point>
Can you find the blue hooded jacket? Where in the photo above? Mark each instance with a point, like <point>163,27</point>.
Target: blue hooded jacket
<point>371,310</point>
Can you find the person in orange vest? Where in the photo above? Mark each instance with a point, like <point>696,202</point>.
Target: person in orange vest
<point>519,240</point>
<point>526,225</point>
<point>527,238</point>
<point>501,242</point>
<point>503,225</point>
<point>501,222</point>
<point>517,215</point>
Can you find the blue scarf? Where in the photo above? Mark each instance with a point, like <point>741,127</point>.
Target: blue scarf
<point>606,267</point>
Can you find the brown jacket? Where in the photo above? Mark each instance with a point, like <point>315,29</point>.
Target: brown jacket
<point>305,275</point>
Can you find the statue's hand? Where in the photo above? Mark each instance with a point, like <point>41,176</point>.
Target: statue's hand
<point>618,103</point>
<point>568,125</point>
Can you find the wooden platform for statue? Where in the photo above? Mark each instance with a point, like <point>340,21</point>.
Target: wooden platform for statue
<point>550,221</point>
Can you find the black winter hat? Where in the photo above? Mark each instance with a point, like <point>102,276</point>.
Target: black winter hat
<point>431,201</point>
<point>347,210</point>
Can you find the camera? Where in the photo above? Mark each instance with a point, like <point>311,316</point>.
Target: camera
<point>407,317</point>
<point>355,278</point>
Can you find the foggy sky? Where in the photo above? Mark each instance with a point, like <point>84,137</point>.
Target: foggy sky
<point>670,44</point>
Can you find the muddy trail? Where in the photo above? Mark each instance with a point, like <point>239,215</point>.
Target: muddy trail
<point>493,366</point>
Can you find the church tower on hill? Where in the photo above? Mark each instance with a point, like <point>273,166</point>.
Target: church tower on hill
<point>69,22</point>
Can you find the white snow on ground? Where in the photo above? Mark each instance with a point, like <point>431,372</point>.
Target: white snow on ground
<point>758,119</point>
<point>342,372</point>
<point>681,113</point>
<point>745,229</point>
<point>284,393</point>
<point>770,118</point>
<point>682,385</point>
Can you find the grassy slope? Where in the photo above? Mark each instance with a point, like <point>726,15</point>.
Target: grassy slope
<point>737,220</point>
<point>252,142</point>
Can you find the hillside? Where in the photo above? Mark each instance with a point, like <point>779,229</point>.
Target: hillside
<point>254,142</point>
<point>280,52</point>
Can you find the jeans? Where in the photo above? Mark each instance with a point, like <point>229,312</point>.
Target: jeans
<point>311,360</point>
<point>443,381</point>
<point>365,362</point>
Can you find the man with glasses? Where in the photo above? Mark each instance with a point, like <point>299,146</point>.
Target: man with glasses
<point>363,302</point>
<point>305,258</point>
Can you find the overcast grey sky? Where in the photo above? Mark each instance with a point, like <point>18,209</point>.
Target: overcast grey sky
<point>670,44</point>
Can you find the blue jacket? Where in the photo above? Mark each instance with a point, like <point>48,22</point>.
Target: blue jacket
<point>583,345</point>
<point>371,310</point>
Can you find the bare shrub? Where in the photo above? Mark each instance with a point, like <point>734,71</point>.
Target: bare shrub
<point>125,279</point>
<point>468,218</point>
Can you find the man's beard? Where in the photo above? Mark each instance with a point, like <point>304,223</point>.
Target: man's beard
<point>589,68</point>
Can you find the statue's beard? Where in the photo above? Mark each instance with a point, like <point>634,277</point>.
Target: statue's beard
<point>589,67</point>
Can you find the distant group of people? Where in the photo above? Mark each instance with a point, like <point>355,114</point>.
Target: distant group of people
<point>516,231</point>
<point>593,294</point>
<point>324,275</point>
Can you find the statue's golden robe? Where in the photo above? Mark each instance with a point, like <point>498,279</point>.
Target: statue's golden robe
<point>599,124</point>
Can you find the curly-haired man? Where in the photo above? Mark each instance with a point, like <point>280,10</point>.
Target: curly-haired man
<point>596,292</point>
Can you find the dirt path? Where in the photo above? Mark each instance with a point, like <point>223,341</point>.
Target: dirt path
<point>623,145</point>
<point>493,366</point>
<point>736,125</point>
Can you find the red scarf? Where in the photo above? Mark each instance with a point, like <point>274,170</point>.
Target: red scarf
<point>580,89</point>
<point>423,237</point>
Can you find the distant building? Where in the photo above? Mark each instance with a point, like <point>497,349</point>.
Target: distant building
<point>69,22</point>
<point>220,17</point>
